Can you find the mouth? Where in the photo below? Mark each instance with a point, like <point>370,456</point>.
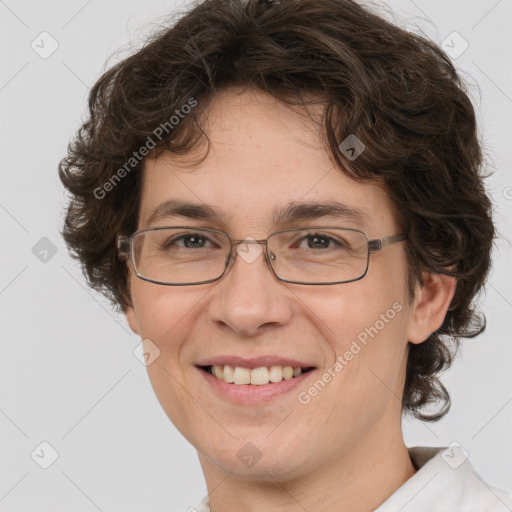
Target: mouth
<point>259,376</point>
<point>255,380</point>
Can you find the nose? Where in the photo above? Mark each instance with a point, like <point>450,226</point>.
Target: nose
<point>249,297</point>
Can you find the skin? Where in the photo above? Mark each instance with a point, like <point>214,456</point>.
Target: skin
<point>329,453</point>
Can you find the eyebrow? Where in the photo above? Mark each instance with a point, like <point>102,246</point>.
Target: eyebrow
<point>290,214</point>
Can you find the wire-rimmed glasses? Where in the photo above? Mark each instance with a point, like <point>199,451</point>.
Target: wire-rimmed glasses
<point>186,255</point>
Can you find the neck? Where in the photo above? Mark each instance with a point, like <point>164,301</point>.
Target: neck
<point>358,481</point>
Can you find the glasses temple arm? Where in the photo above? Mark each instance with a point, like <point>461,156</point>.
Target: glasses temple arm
<point>378,244</point>
<point>123,246</point>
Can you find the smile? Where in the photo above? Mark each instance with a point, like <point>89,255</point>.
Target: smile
<point>260,376</point>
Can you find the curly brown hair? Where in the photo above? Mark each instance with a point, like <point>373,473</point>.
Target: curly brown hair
<point>397,91</point>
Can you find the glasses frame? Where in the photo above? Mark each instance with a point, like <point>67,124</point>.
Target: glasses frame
<point>125,251</point>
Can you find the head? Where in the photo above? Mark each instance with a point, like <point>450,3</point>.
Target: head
<point>244,106</point>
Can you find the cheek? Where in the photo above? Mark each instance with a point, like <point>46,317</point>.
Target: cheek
<point>359,310</point>
<point>366,378</point>
<point>365,326</point>
<point>163,312</point>
<point>166,318</point>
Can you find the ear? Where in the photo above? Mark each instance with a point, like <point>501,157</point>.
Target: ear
<point>431,302</point>
<point>132,319</point>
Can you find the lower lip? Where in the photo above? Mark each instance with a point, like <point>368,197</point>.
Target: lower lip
<point>251,394</point>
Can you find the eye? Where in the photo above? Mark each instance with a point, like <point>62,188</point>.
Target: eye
<point>323,241</point>
<point>190,241</point>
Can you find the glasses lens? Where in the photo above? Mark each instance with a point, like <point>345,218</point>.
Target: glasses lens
<point>180,255</point>
<point>319,255</point>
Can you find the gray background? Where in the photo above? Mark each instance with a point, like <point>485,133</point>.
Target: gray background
<point>68,373</point>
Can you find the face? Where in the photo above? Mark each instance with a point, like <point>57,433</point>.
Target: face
<point>353,336</point>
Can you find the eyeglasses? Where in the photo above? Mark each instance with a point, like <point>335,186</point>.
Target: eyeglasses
<point>184,255</point>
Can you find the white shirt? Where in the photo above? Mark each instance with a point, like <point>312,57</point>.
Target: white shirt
<point>445,482</point>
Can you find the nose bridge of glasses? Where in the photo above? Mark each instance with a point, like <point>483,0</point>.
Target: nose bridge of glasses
<point>248,241</point>
<point>234,250</point>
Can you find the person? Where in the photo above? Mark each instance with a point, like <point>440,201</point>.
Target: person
<point>287,201</point>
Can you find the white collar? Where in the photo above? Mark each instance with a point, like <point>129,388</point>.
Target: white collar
<point>445,482</point>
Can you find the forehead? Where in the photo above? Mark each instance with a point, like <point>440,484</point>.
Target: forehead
<point>267,164</point>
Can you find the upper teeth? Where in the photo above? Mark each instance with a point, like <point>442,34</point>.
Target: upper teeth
<point>256,376</point>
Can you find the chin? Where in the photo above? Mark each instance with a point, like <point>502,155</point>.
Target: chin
<point>258,459</point>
